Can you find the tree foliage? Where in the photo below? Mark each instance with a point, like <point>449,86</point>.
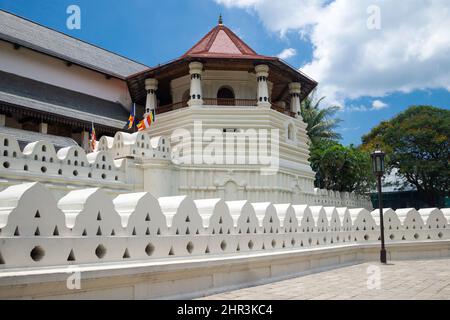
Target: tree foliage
<point>321,122</point>
<point>340,168</point>
<point>417,142</point>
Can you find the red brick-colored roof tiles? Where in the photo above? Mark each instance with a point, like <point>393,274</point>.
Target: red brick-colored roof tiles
<point>222,42</point>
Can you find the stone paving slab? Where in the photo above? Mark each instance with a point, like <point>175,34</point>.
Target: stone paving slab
<point>418,279</point>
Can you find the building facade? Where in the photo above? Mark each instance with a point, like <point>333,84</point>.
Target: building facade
<point>53,87</point>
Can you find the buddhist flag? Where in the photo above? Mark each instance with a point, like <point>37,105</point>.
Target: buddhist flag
<point>130,122</point>
<point>93,138</point>
<point>147,121</point>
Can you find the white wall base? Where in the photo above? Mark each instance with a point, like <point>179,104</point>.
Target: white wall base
<point>196,277</point>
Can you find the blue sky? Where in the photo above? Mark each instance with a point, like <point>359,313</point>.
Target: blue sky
<point>153,32</point>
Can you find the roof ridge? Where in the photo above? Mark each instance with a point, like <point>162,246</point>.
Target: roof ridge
<point>213,38</point>
<point>204,45</point>
<point>200,41</point>
<point>73,38</point>
<point>238,41</point>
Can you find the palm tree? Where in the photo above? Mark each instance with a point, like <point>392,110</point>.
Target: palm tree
<point>320,121</point>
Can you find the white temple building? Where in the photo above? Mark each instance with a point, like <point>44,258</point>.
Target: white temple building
<point>217,194</point>
<point>220,87</point>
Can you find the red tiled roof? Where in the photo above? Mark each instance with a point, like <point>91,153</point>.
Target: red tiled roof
<point>222,42</point>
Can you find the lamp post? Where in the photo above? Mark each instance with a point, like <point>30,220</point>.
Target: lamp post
<point>378,170</point>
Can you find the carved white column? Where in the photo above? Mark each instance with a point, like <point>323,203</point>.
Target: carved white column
<point>295,90</point>
<point>196,70</point>
<point>151,85</point>
<point>262,74</point>
<point>85,140</point>
<point>43,127</point>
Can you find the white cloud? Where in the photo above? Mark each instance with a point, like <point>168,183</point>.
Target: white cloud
<point>410,52</point>
<point>354,108</point>
<point>287,53</point>
<point>350,129</point>
<point>378,105</point>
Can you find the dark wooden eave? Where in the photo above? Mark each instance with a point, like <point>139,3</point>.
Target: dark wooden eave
<point>281,74</point>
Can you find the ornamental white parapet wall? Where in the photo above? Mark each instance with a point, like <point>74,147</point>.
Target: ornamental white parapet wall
<point>89,227</point>
<point>40,162</point>
<point>136,162</point>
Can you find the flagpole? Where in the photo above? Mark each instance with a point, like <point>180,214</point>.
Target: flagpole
<point>134,120</point>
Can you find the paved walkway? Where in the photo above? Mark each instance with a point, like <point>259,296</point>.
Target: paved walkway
<point>425,279</point>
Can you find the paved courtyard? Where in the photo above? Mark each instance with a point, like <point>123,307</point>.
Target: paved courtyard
<point>425,279</point>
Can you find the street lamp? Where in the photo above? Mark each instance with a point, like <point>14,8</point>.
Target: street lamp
<point>378,170</point>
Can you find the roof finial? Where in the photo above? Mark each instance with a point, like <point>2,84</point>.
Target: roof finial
<point>220,20</point>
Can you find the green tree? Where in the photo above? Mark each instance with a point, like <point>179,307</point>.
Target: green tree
<point>417,143</point>
<point>340,168</point>
<point>321,122</point>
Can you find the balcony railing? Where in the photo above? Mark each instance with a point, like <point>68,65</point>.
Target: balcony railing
<point>230,102</point>
<point>221,102</point>
<point>171,107</point>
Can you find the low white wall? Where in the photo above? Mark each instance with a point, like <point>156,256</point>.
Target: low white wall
<point>231,242</point>
<point>199,276</point>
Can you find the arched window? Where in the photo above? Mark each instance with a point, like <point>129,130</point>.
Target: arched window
<point>225,97</point>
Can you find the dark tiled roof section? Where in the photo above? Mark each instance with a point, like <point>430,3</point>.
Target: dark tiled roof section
<point>34,36</point>
<point>36,91</point>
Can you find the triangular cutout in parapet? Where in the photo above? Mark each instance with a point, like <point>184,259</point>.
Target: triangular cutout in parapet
<point>126,254</point>
<point>37,215</point>
<point>248,219</point>
<point>16,232</point>
<point>99,231</point>
<point>263,247</point>
<point>171,253</point>
<point>147,217</point>
<point>147,232</point>
<point>71,256</point>
<point>187,219</point>
<point>2,261</point>
<point>37,232</point>
<point>134,231</point>
<point>207,249</point>
<point>220,220</point>
<point>84,234</point>
<point>158,232</point>
<point>187,231</point>
<point>238,248</point>
<point>197,232</point>
<point>113,233</point>
<point>99,216</point>
<point>56,231</point>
